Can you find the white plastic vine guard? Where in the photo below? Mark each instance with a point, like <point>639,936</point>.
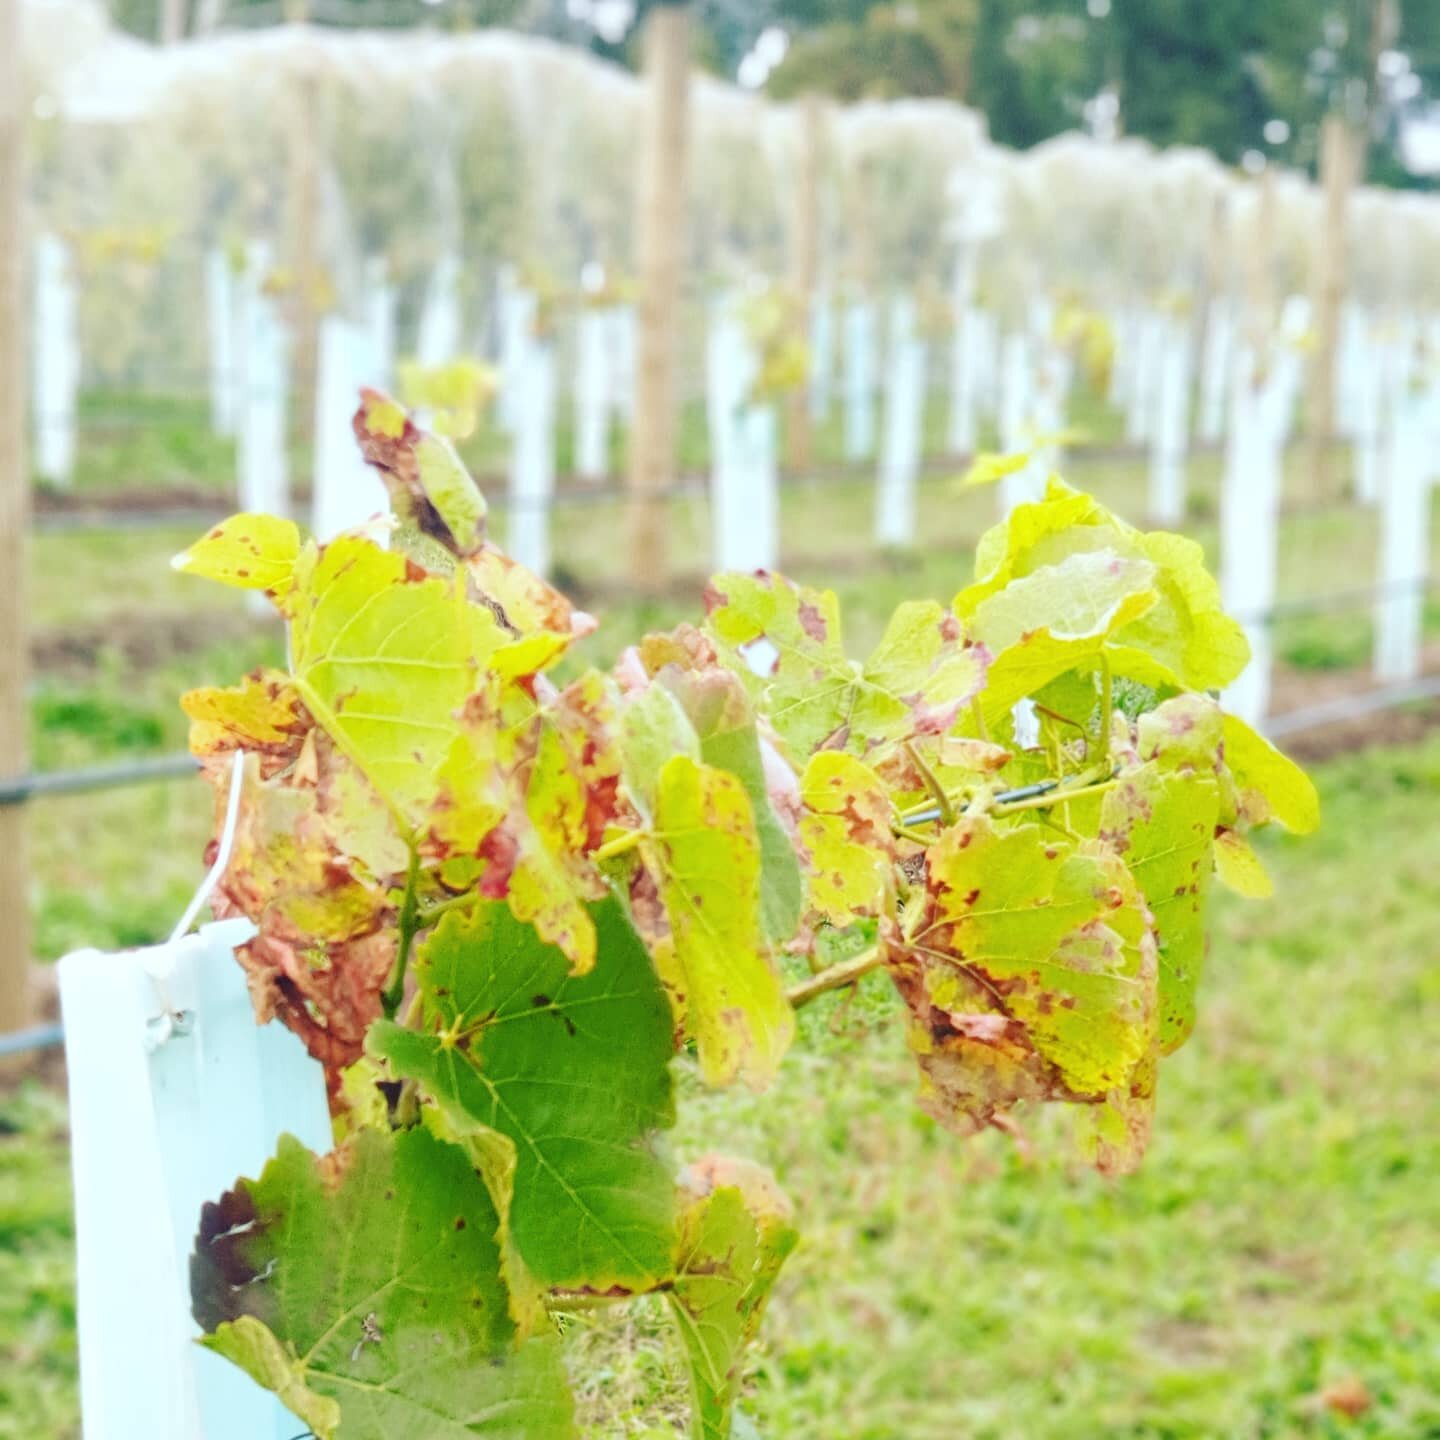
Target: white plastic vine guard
<point>175,1092</point>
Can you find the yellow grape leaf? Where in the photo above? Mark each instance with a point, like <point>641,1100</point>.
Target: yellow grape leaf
<point>988,468</point>
<point>384,656</point>
<point>250,552</point>
<point>705,854</point>
<point>1239,868</point>
<point>1272,786</point>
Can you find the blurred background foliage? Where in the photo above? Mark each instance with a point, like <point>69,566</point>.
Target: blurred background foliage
<point>1233,76</point>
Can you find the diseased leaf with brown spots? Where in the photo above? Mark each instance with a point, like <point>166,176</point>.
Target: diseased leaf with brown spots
<point>529,801</point>
<point>735,1234</point>
<point>326,944</point>
<point>1024,928</point>
<point>261,716</point>
<point>429,487</point>
<point>846,830</point>
<point>1030,972</point>
<point>250,552</point>
<point>784,642</point>
<point>1115,1135</point>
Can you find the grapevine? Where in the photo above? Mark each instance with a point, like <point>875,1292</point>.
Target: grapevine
<point>501,910</point>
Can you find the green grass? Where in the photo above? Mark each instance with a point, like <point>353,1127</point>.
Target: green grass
<point>1281,1237</point>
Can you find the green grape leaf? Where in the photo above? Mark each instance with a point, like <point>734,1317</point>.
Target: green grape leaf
<point>735,1234</point>
<point>846,830</point>
<point>573,1069</point>
<point>1162,823</point>
<point>1031,972</point>
<point>720,712</point>
<point>365,1289</point>
<point>784,642</point>
<point>705,855</point>
<point>250,552</point>
<point>1185,634</point>
<point>654,727</point>
<point>1271,785</point>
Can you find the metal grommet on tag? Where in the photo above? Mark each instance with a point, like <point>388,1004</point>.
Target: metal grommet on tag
<point>172,1020</point>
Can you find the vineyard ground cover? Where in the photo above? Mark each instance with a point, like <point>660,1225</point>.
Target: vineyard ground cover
<point>1279,1240</point>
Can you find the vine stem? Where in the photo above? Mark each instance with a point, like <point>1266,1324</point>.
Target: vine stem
<point>408,924</point>
<point>834,976</point>
<point>626,840</point>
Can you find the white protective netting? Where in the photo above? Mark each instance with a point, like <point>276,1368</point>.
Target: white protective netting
<point>514,153</point>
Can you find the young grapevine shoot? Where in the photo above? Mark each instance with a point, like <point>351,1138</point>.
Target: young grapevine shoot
<point>497,906</point>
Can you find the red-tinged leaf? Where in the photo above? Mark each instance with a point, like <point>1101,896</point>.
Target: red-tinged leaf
<point>429,487</point>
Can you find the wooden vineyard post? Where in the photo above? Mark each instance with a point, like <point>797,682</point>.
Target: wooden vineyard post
<point>1337,175</point>
<point>804,276</point>
<point>662,238</point>
<point>15,1000</point>
<point>172,21</point>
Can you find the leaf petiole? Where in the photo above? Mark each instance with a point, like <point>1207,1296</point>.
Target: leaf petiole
<point>407,923</point>
<point>846,972</point>
<point>427,915</point>
<point>625,841</point>
<point>932,784</point>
